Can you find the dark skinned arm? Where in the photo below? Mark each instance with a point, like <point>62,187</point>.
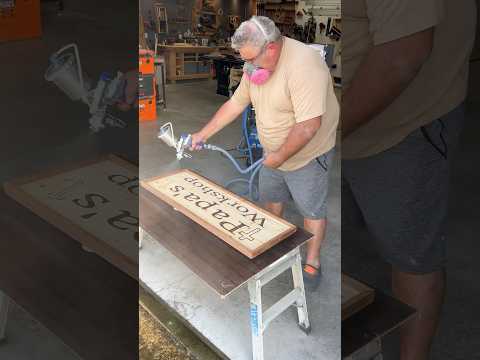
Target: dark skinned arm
<point>384,74</point>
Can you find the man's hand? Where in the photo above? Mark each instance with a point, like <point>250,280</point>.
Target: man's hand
<point>273,160</point>
<point>197,140</point>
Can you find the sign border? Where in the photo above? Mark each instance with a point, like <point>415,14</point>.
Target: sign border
<point>13,189</point>
<point>365,296</point>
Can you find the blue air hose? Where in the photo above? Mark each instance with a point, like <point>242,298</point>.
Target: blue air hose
<point>253,169</point>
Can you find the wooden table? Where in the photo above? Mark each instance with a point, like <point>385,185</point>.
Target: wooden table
<point>362,332</point>
<point>184,62</point>
<point>88,303</point>
<point>223,268</point>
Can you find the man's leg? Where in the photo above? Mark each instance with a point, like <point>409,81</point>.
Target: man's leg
<point>309,188</point>
<point>403,195</point>
<point>425,293</point>
<point>317,228</point>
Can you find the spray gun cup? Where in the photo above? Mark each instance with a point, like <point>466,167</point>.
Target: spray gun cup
<point>166,135</point>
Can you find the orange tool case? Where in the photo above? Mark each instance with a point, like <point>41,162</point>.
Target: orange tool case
<point>146,88</point>
<point>19,19</point>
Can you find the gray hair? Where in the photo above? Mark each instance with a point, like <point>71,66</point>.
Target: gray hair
<point>257,31</point>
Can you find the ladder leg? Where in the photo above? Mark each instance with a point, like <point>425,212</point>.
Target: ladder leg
<point>141,234</point>
<point>256,318</point>
<point>303,321</point>
<point>3,314</point>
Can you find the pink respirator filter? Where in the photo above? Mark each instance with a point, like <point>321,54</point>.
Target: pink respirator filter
<point>259,76</point>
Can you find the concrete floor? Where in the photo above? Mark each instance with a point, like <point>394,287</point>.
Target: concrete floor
<point>225,323</point>
<point>27,339</point>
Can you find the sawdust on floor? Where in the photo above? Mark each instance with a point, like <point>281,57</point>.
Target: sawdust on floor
<point>155,343</point>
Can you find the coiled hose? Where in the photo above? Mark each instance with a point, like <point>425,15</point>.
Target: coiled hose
<point>253,169</point>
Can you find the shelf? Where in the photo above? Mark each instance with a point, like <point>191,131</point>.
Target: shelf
<point>207,12</point>
<point>278,3</point>
<point>193,76</point>
<point>276,8</point>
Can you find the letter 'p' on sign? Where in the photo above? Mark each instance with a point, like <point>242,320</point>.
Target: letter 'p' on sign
<point>240,223</point>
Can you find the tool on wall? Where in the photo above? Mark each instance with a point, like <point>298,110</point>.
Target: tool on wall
<point>310,28</point>
<point>166,134</point>
<point>65,71</point>
<point>332,31</point>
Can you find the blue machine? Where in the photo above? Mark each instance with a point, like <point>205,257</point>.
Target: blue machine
<point>250,146</point>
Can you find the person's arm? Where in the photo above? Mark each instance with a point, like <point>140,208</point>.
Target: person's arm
<point>384,74</point>
<point>224,116</point>
<point>299,136</point>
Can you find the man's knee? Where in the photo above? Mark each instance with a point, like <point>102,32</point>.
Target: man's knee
<point>274,208</point>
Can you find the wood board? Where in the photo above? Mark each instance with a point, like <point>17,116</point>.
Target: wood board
<point>355,296</point>
<point>240,223</point>
<point>95,202</point>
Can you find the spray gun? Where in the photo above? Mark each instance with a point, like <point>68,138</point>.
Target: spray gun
<point>66,72</point>
<point>167,136</point>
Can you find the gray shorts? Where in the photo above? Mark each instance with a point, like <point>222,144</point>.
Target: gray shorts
<point>402,195</point>
<point>307,186</point>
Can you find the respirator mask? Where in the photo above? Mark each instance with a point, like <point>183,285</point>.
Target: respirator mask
<point>254,73</point>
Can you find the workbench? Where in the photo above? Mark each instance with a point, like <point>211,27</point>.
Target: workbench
<point>224,269</point>
<point>185,62</point>
<point>223,66</point>
<point>362,333</point>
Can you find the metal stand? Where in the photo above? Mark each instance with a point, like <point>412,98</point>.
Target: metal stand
<point>4,301</point>
<point>140,237</point>
<point>259,318</point>
<point>160,73</point>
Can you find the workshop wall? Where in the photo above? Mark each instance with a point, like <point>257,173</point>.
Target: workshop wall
<point>179,14</point>
<point>322,11</point>
<point>314,7</point>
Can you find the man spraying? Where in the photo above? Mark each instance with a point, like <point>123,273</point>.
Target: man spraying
<point>297,113</point>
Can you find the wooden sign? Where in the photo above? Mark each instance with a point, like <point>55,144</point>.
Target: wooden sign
<point>240,223</point>
<point>95,202</point>
<point>355,296</point>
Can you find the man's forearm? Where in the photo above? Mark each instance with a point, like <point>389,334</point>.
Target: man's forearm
<point>224,116</point>
<point>385,73</point>
<point>298,137</point>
